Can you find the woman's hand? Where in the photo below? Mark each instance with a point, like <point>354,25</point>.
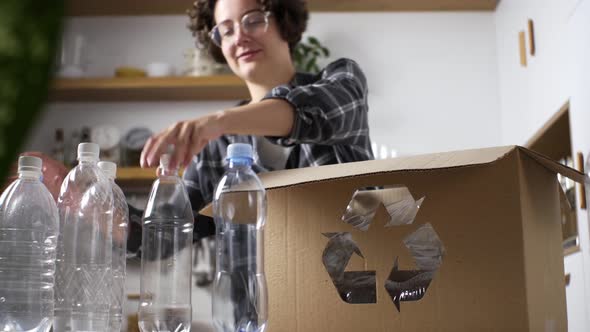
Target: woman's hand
<point>189,137</point>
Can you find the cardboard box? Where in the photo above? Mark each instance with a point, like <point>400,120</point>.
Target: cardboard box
<point>495,210</point>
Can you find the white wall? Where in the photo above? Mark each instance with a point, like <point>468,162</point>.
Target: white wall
<point>432,76</point>
<point>531,95</point>
<point>578,41</point>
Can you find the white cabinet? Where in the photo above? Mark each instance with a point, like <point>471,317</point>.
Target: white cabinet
<point>578,265</point>
<point>577,303</point>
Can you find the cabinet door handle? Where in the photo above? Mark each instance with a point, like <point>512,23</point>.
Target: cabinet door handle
<point>581,187</point>
<point>567,279</point>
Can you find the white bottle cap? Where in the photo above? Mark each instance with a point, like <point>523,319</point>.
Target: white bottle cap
<point>88,150</point>
<point>29,164</point>
<point>109,168</point>
<point>239,150</point>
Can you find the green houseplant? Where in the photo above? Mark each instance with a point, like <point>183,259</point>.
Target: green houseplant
<point>29,31</point>
<point>307,53</point>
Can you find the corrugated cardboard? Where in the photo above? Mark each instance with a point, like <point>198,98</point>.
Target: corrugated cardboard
<point>496,210</point>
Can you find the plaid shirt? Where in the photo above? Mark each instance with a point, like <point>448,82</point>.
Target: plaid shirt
<point>330,127</point>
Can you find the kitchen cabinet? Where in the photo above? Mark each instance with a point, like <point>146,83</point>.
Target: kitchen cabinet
<point>554,141</point>
<point>578,265</point>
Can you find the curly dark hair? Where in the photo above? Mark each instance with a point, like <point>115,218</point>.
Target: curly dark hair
<point>291,16</point>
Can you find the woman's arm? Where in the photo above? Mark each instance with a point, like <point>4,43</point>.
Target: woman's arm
<point>331,110</point>
<point>265,118</point>
<point>271,117</point>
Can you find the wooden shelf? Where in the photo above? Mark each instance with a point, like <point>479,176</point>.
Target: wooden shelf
<point>179,7</point>
<point>137,174</point>
<point>223,87</point>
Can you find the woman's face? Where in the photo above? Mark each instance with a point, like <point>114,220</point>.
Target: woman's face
<point>252,55</point>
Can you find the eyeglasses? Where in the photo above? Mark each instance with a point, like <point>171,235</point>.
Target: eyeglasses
<point>252,23</point>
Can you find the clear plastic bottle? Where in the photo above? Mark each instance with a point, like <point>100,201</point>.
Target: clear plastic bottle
<point>120,224</point>
<point>166,255</point>
<point>84,250</point>
<point>240,295</point>
<point>28,237</point>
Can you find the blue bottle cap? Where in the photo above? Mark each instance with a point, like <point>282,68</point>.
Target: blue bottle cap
<point>239,150</point>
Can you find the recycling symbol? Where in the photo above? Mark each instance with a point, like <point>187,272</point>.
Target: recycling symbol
<point>356,287</point>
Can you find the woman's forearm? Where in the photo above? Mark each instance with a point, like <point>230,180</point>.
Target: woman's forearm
<point>271,117</point>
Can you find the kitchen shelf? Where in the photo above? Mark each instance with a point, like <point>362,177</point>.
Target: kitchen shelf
<point>179,7</point>
<point>221,87</point>
<point>137,174</point>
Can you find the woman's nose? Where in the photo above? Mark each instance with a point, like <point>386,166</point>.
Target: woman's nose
<point>241,36</point>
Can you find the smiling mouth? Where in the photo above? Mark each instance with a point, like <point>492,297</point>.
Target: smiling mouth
<point>248,54</point>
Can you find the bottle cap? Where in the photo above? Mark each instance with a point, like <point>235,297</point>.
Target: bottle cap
<point>109,168</point>
<point>164,160</point>
<point>239,150</point>
<point>30,164</point>
<point>88,150</point>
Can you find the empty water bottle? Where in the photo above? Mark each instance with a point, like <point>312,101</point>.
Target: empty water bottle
<point>119,259</point>
<point>28,237</point>
<point>166,255</point>
<point>84,250</point>
<point>239,295</point>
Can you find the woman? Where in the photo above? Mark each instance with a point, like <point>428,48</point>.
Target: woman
<point>292,119</point>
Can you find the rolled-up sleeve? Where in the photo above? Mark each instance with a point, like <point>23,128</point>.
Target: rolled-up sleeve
<point>191,183</point>
<point>204,226</point>
<point>330,111</point>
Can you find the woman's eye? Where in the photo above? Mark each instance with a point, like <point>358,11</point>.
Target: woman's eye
<point>226,32</point>
<point>255,21</point>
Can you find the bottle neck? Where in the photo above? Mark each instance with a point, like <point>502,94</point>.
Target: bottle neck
<point>240,162</point>
<point>29,175</point>
<point>88,160</point>
<point>165,171</point>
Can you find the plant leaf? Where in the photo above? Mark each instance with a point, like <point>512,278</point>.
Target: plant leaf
<point>29,34</point>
